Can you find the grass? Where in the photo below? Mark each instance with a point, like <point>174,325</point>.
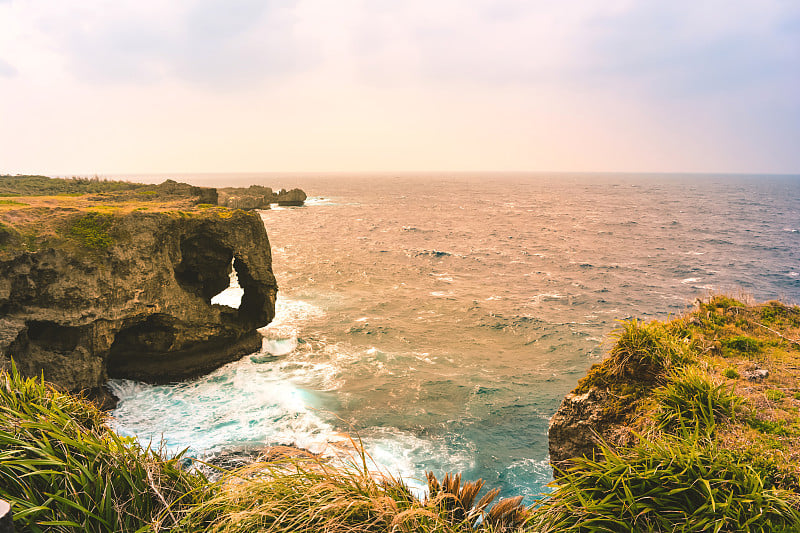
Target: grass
<point>305,495</point>
<point>731,373</point>
<point>693,398</point>
<point>713,450</point>
<point>62,469</point>
<point>92,230</point>
<point>42,185</point>
<point>685,483</point>
<point>742,344</point>
<point>774,395</point>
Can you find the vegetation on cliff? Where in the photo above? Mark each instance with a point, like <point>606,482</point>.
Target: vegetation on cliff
<point>43,186</point>
<point>709,403</point>
<point>697,427</point>
<point>63,469</point>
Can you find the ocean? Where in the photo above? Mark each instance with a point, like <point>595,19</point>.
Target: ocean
<point>441,318</point>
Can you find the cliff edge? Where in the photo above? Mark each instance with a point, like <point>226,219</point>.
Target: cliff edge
<point>90,292</point>
<point>728,371</point>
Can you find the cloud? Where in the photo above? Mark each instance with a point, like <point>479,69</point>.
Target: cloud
<point>700,48</point>
<point>679,47</point>
<point>6,69</point>
<point>212,43</point>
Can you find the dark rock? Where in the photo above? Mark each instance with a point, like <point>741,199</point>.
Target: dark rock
<point>102,398</point>
<point>292,197</point>
<point>580,423</point>
<point>140,309</point>
<point>759,374</point>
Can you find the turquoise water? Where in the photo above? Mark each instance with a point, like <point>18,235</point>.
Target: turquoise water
<point>442,318</point>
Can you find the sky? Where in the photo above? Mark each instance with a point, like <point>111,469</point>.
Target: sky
<point>109,87</point>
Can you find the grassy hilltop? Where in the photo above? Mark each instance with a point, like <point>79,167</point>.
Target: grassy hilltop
<point>707,449</point>
<point>37,212</point>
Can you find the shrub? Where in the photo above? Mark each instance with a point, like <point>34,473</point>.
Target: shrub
<point>730,373</point>
<point>724,302</point>
<point>692,399</point>
<point>672,484</point>
<point>743,343</point>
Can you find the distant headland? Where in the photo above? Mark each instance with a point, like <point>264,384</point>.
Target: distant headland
<point>102,279</point>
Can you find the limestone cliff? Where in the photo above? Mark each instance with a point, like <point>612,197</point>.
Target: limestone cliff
<point>728,371</point>
<point>259,197</point>
<point>130,297</point>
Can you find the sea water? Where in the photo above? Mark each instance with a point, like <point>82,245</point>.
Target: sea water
<point>442,318</point>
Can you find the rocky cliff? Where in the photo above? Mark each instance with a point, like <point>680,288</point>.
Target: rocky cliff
<point>259,197</point>
<point>727,371</point>
<point>128,295</point>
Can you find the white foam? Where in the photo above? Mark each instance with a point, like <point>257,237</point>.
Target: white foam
<point>290,316</point>
<point>243,402</point>
<point>232,296</point>
<point>690,280</point>
<point>318,200</point>
<point>278,346</point>
<point>406,455</point>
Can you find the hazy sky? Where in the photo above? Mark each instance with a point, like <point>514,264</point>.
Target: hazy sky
<point>368,85</point>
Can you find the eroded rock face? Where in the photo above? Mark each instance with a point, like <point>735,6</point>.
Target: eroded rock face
<point>140,309</point>
<point>292,197</point>
<point>253,197</point>
<point>581,422</point>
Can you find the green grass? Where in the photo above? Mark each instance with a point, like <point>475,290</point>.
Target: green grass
<point>62,469</point>
<point>672,484</point>
<point>743,344</point>
<point>692,399</point>
<point>44,186</point>
<point>730,373</point>
<point>12,202</point>
<point>92,230</point>
<point>774,395</point>
<point>645,350</point>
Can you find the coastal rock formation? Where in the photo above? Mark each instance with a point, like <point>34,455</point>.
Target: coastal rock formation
<point>258,197</point>
<point>173,189</point>
<point>292,197</point>
<point>253,197</point>
<point>579,424</point>
<point>137,303</point>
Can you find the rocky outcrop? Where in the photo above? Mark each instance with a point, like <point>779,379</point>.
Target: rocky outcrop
<point>292,197</point>
<point>258,197</point>
<point>139,306</point>
<point>253,197</point>
<point>173,189</point>
<point>582,420</point>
